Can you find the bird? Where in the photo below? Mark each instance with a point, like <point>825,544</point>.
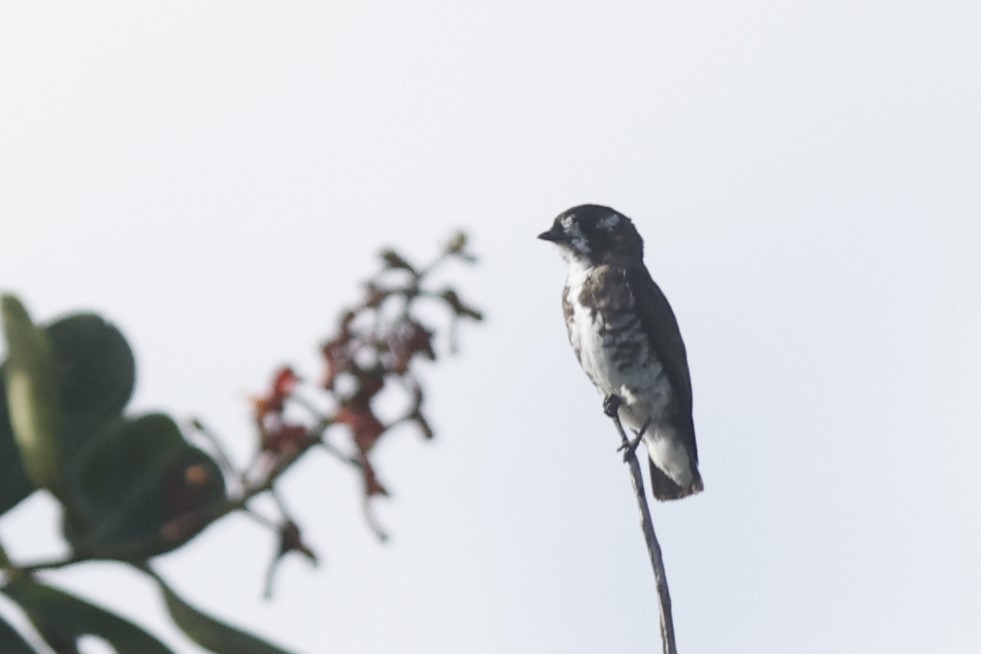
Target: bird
<point>627,340</point>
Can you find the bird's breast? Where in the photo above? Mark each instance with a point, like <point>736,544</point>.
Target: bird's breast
<point>611,344</point>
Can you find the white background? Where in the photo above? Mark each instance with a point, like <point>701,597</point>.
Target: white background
<point>215,177</point>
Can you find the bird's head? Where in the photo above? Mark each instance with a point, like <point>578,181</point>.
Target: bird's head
<point>594,234</point>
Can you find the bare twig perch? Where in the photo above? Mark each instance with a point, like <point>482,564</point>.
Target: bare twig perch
<point>611,404</point>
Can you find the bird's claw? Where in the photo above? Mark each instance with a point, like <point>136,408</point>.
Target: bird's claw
<point>628,448</point>
<point>611,404</point>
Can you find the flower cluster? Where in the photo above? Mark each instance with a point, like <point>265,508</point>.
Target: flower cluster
<point>373,352</point>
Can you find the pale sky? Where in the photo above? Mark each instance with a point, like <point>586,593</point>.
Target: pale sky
<point>216,177</point>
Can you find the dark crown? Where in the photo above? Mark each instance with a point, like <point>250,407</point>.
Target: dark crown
<point>596,233</point>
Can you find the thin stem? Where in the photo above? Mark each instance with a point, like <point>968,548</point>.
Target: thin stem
<point>322,420</point>
<point>260,519</point>
<point>320,429</point>
<point>281,505</point>
<point>433,265</point>
<point>51,564</point>
<point>372,520</point>
<point>223,457</point>
<point>669,646</point>
<point>341,456</point>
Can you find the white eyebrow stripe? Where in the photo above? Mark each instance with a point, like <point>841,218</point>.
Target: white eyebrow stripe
<point>609,222</point>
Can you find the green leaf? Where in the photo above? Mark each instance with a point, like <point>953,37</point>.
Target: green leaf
<point>14,484</point>
<point>138,489</point>
<point>11,642</point>
<point>32,393</point>
<point>209,632</point>
<point>62,618</point>
<point>96,376</point>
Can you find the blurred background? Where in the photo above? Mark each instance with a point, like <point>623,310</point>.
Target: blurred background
<point>216,178</point>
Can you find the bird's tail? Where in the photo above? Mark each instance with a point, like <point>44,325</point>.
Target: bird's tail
<point>666,489</point>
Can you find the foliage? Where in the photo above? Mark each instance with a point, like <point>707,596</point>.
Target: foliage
<point>132,487</point>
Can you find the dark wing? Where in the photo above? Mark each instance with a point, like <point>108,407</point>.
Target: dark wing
<point>658,320</point>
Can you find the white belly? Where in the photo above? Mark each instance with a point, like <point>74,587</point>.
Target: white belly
<point>643,386</point>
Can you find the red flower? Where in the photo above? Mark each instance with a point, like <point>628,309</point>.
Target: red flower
<point>287,438</point>
<point>365,426</point>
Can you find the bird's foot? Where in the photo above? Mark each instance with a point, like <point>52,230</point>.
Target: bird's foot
<point>628,448</point>
<point>611,404</point>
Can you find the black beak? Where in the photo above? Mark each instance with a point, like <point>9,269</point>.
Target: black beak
<point>554,235</point>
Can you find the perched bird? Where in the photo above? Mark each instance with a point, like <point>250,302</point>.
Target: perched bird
<point>627,340</point>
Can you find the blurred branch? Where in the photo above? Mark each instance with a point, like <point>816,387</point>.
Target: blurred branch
<point>376,341</point>
<point>669,646</point>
